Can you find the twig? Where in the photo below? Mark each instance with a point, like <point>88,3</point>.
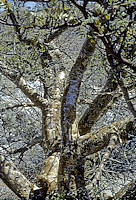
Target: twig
<point>25,104</point>
<point>126,95</point>
<point>29,145</point>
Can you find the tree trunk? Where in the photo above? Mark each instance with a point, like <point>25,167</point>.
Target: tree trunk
<point>68,117</point>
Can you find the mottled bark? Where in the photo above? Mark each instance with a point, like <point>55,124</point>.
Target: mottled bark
<point>13,178</point>
<point>51,123</point>
<point>51,131</point>
<point>79,171</point>
<point>90,143</point>
<point>97,140</point>
<point>53,91</point>
<point>99,106</point>
<point>68,115</point>
<point>20,83</point>
<point>68,110</point>
<point>49,174</point>
<point>64,170</point>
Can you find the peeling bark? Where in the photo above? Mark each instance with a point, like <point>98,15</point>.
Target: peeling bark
<point>51,131</point>
<point>49,174</point>
<point>13,178</point>
<point>54,92</point>
<point>64,170</point>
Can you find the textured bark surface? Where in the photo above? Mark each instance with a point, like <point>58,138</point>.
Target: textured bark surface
<point>51,131</point>
<point>20,83</point>
<point>68,116</point>
<point>13,178</point>
<point>55,174</point>
<point>71,93</point>
<point>98,107</point>
<point>79,173</point>
<point>97,140</point>
<point>49,174</point>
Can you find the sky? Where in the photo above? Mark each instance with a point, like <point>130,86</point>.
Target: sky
<point>30,4</point>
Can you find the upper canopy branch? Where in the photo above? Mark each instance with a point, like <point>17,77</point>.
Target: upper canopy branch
<point>120,81</point>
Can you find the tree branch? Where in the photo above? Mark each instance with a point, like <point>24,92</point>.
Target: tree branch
<point>116,56</point>
<point>13,178</point>
<point>99,106</point>
<point>81,8</point>
<point>18,106</point>
<point>97,140</point>
<point>68,110</point>
<point>111,145</point>
<point>68,114</point>
<point>60,30</point>
<point>126,95</point>
<point>20,83</point>
<point>121,83</point>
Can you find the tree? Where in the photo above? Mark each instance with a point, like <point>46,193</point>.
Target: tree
<point>29,53</point>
